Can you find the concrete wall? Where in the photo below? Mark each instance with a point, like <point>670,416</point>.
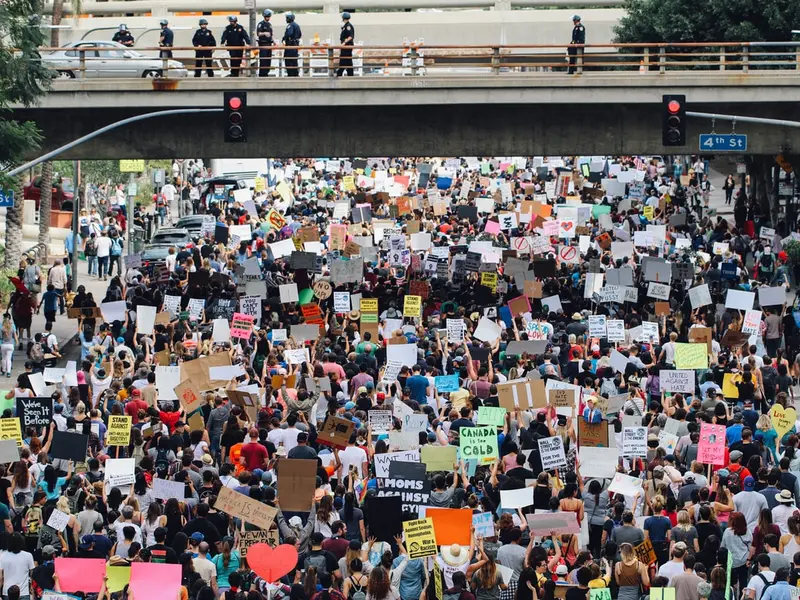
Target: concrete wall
<point>519,128</point>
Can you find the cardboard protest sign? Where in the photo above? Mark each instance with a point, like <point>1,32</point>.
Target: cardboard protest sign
<point>189,396</point>
<point>593,435</point>
<point>248,538</point>
<point>336,432</point>
<point>645,552</point>
<point>297,480</point>
<point>249,510</point>
<point>438,458</point>
<point>197,371</point>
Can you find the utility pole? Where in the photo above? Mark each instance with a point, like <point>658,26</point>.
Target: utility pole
<point>76,211</point>
<point>250,5</point>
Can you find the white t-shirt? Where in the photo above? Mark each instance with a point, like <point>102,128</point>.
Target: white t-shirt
<point>205,568</point>
<point>170,262</point>
<point>169,192</point>
<point>757,583</point>
<point>16,571</point>
<point>118,526</point>
<point>671,569</point>
<point>352,455</point>
<point>289,437</point>
<point>103,246</point>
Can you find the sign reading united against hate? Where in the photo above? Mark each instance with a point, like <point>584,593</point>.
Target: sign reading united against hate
<point>711,448</point>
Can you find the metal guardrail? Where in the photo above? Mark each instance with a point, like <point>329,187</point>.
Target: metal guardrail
<point>38,250</point>
<point>168,7</point>
<point>414,60</point>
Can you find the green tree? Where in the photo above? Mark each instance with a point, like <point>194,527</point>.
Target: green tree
<point>653,21</point>
<point>23,80</point>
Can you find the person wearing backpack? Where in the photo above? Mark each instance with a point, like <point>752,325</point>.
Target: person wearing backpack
<point>763,579</point>
<point>90,250</point>
<point>323,561</point>
<point>766,265</point>
<point>355,586</point>
<point>115,256</point>
<point>459,590</point>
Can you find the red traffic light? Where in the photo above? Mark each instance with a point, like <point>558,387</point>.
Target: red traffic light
<point>235,102</point>
<point>673,106</point>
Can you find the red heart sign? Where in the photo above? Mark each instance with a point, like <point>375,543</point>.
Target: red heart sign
<point>566,225</point>
<point>271,564</point>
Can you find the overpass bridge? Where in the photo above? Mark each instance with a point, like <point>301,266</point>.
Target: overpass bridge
<point>518,104</point>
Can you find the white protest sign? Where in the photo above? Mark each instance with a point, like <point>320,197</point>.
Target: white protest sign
<point>615,329</point>
<point>634,442</point>
<point>681,381</point>
<point>551,450</point>
<point>597,326</point>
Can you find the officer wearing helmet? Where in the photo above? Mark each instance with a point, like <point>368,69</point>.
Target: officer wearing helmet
<point>123,36</point>
<point>291,37</point>
<point>166,40</point>
<point>346,38</point>
<point>203,38</point>
<point>235,35</point>
<point>265,42</point>
<point>578,39</point>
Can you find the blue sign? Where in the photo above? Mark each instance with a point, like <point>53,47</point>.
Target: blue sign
<point>447,383</point>
<point>6,198</point>
<point>720,142</point>
<point>728,270</point>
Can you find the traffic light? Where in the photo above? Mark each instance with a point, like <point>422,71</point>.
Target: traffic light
<point>235,110</point>
<point>673,120</point>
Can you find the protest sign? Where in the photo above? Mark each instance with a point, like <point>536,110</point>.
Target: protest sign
<point>677,381</point>
<point>407,480</point>
<point>438,458</point>
<point>520,498</point>
<point>241,325</point>
<point>447,383</point>
<point>36,412</point>
<point>483,524</point>
<point>615,330</point>
<point>249,510</point>
<point>382,460</point>
<point>691,356</point>
<point>645,552</point>
<point>296,483</point>
<point>546,523</point>
<point>711,447</point>
<point>80,574</point>
<point>488,415</point>
<point>189,396</point>
<point>385,516</point>
<point>66,445</point>
<point>164,489</point>
<point>420,540</point>
<point>119,430</point>
<point>592,434</point>
<point>380,421</point>
<point>451,525</point>
<point>551,451</point>
<point>259,536</point>
<point>634,442</point>
<point>598,462</point>
<point>625,485</point>
<point>478,442</point>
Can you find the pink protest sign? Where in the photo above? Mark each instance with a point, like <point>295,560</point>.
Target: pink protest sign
<point>155,581</point>
<point>711,449</point>
<point>82,574</point>
<point>241,325</point>
<point>492,227</point>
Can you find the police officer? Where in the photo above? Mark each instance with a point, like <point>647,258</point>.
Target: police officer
<point>123,36</point>
<point>166,40</point>
<point>235,35</point>
<point>291,37</point>
<point>203,38</point>
<point>265,42</point>
<point>346,38</point>
<point>578,38</point>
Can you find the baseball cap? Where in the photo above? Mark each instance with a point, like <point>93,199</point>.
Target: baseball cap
<point>736,455</point>
<point>749,483</point>
<point>197,536</point>
<point>350,406</point>
<point>86,543</point>
<point>49,550</point>
<point>562,570</point>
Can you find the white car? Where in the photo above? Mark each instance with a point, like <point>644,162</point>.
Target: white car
<point>109,60</point>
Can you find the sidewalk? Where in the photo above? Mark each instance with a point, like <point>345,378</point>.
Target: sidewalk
<point>65,329</point>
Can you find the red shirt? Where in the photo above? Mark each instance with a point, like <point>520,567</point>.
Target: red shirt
<point>169,419</point>
<point>255,456</point>
<point>133,407</point>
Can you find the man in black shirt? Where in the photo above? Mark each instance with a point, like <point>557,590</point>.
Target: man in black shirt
<point>464,420</point>
<point>206,527</point>
<point>160,552</point>
<point>520,472</point>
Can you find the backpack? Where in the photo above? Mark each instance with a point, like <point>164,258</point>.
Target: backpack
<point>770,376</point>
<point>91,247</point>
<point>358,594</point>
<point>318,562</point>
<point>738,245</point>
<point>765,264</point>
<point>116,247</point>
<point>452,594</point>
<point>766,583</point>
<point>36,351</point>
<point>34,518</point>
<point>162,464</point>
<point>72,500</point>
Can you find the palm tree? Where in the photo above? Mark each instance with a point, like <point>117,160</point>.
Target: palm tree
<point>14,228</point>
<point>45,204</point>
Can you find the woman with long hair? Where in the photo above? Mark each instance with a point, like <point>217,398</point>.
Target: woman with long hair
<point>595,504</point>
<point>326,516</point>
<point>22,485</point>
<point>8,341</point>
<point>154,518</point>
<point>527,584</point>
<point>353,517</point>
<point>356,581</point>
<point>684,532</point>
<point>570,502</point>
<point>737,540</point>
<point>175,519</point>
<point>379,586</point>
<point>789,544</point>
<point>227,562</point>
<point>630,574</point>
<point>51,483</point>
<point>486,580</point>
<point>143,493</point>
<point>719,583</point>
<point>763,529</point>
<point>767,435</point>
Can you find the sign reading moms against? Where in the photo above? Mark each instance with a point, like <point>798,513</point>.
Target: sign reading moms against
<point>420,539</point>
<point>35,412</point>
<point>247,509</point>
<point>408,481</point>
<point>551,450</point>
<point>478,442</point>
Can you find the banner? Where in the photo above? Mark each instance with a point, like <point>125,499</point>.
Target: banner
<point>691,356</point>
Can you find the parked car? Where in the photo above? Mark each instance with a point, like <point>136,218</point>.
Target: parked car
<point>109,60</point>
<point>62,193</point>
<point>193,224</point>
<point>171,237</point>
<point>153,255</point>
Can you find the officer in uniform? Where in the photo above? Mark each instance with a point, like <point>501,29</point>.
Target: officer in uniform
<point>346,38</point>
<point>166,40</point>
<point>235,35</point>
<point>123,36</point>
<point>291,37</point>
<point>203,38</point>
<point>578,37</point>
<point>265,42</point>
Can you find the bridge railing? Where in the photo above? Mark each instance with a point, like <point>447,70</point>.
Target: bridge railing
<point>323,61</point>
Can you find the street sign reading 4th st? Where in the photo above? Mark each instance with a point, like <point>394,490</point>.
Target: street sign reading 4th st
<point>6,198</point>
<point>720,142</point>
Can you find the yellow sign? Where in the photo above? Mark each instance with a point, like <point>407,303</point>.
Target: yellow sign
<point>648,213</point>
<point>783,419</point>
<point>119,430</point>
<point>691,356</point>
<point>131,166</point>
<point>284,191</point>
<point>369,305</point>
<point>412,307</point>
<point>420,538</point>
<point>11,430</point>
<point>275,219</point>
<point>260,184</point>
<point>729,381</point>
<point>489,280</point>
<point>348,183</point>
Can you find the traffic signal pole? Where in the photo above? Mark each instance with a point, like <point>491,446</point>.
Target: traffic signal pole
<point>107,128</point>
<point>741,119</point>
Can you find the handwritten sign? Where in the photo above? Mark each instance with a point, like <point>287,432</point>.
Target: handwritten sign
<point>711,448</point>
<point>551,450</point>
<point>119,430</point>
<point>247,509</point>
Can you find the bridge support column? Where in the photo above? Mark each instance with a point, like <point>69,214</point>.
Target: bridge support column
<point>502,5</point>
<point>331,8</point>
